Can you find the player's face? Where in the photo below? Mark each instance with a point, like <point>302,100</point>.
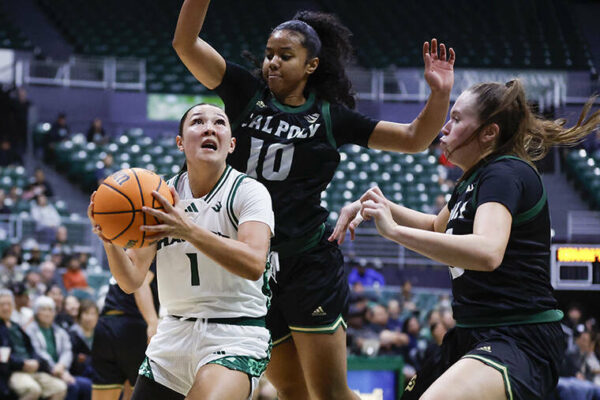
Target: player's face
<point>285,66</point>
<point>456,143</point>
<point>206,135</point>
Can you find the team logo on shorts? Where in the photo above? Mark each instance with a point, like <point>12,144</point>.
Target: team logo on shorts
<point>411,384</point>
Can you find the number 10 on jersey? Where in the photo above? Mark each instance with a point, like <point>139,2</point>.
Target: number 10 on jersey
<point>274,158</point>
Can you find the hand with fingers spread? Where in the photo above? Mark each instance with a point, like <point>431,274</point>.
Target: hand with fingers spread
<point>439,72</point>
<point>375,206</point>
<point>174,222</point>
<point>349,219</point>
<point>95,227</point>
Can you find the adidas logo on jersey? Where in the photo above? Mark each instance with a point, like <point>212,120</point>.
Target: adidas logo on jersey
<point>217,207</point>
<point>261,104</point>
<point>312,118</point>
<point>485,348</point>
<point>191,208</point>
<point>319,312</point>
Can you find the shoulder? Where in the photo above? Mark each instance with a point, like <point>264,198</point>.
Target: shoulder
<point>508,168</point>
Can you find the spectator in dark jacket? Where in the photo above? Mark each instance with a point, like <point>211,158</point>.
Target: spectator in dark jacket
<point>29,373</point>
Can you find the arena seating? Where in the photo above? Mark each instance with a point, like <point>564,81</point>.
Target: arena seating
<point>81,161</point>
<point>499,33</point>
<point>584,169</point>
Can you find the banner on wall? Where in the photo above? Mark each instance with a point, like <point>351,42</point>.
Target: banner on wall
<point>170,107</point>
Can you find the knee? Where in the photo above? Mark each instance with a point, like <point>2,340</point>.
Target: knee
<point>32,390</point>
<point>292,391</point>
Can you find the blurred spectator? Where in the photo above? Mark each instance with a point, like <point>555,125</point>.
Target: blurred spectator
<point>33,258</point>
<point>46,218</point>
<point>408,298</point>
<point>38,185</point>
<point>96,132</point>
<point>22,313</point>
<point>394,311</point>
<point>48,275</point>
<point>17,250</point>
<point>365,273</point>
<point>82,337</point>
<point>4,209</point>
<point>8,156</point>
<point>447,318</point>
<point>14,195</point>
<point>53,344</point>
<point>58,132</point>
<point>437,206</point>
<point>579,370</point>
<point>390,340</point>
<point>411,328</point>
<point>9,270</point>
<point>108,167</point>
<point>30,378</point>
<point>63,319</point>
<point>34,285</point>
<point>70,311</point>
<point>74,278</point>
<point>61,243</point>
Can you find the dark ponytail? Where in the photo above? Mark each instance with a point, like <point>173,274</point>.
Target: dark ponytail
<point>333,46</point>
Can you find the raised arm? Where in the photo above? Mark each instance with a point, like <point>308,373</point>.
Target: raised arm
<point>418,135</point>
<point>245,257</point>
<point>200,58</point>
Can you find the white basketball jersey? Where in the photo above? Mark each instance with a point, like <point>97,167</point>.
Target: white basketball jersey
<point>192,285</point>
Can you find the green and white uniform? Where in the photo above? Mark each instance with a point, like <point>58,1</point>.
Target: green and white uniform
<point>214,316</point>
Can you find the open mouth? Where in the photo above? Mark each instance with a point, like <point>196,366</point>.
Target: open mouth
<point>209,145</point>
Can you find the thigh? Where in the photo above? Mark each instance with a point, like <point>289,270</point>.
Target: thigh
<point>285,372</point>
<point>468,379</point>
<point>23,382</point>
<point>215,382</point>
<point>323,361</point>
<point>146,388</point>
<point>50,385</point>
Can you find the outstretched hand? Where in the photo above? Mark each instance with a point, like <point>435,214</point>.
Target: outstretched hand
<point>174,222</point>
<point>439,72</point>
<point>349,219</point>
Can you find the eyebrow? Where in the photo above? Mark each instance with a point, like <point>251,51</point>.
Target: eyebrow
<point>202,114</point>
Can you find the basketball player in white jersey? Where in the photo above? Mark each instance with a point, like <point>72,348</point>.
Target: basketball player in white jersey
<point>211,254</point>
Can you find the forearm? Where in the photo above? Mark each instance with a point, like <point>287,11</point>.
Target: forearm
<point>411,218</point>
<point>235,256</point>
<point>430,121</point>
<point>128,276</point>
<point>473,252</point>
<point>189,23</point>
<point>145,303</point>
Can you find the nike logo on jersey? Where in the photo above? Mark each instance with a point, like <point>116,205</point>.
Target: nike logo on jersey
<point>312,118</point>
<point>191,208</point>
<point>283,129</point>
<point>319,312</point>
<point>217,207</point>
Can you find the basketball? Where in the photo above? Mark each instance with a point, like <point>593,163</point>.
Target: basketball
<point>119,201</point>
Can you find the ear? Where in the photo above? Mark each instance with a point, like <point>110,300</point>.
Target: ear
<point>311,65</point>
<point>231,145</point>
<point>490,133</point>
<point>179,142</point>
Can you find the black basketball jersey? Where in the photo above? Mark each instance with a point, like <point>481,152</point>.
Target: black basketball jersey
<point>291,150</point>
<point>118,300</point>
<point>520,287</point>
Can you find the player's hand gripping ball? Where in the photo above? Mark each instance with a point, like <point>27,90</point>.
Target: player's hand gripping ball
<point>118,202</point>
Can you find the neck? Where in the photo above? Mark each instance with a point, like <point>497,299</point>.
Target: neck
<point>203,177</point>
<point>295,97</point>
<point>87,331</point>
<point>43,325</point>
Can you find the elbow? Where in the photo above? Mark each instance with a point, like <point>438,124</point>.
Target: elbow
<point>129,287</point>
<point>180,46</point>
<point>256,272</point>
<point>493,261</point>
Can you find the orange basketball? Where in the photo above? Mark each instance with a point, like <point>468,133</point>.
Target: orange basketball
<point>118,205</point>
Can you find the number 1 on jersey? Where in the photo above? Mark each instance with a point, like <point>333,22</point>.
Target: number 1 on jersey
<point>276,160</point>
<point>194,267</point>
